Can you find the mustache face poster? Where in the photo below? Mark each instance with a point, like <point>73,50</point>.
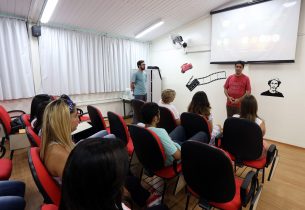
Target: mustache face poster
<point>273,86</point>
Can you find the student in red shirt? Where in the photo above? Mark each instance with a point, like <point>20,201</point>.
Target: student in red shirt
<point>237,86</point>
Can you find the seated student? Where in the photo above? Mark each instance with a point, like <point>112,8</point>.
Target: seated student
<point>151,117</point>
<point>248,110</point>
<point>59,120</point>
<point>167,97</point>
<point>200,105</point>
<point>36,101</point>
<point>94,176</point>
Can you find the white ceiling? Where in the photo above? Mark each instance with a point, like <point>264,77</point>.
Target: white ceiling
<point>116,17</point>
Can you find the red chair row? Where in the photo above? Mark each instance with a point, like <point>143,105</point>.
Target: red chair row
<point>243,141</point>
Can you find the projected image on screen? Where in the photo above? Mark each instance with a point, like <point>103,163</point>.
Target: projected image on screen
<point>264,32</point>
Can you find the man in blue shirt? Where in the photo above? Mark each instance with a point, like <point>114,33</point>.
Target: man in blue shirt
<point>138,82</point>
<point>151,116</point>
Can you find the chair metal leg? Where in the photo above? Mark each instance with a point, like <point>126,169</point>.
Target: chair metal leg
<point>2,141</point>
<point>164,189</point>
<point>187,201</point>
<point>257,181</point>
<point>273,166</point>
<point>130,160</point>
<point>12,154</point>
<point>2,151</point>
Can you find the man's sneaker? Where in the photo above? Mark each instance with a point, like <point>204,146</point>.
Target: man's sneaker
<point>154,199</point>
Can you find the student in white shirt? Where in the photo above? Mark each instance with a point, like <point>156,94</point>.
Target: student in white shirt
<point>248,110</point>
<point>167,97</point>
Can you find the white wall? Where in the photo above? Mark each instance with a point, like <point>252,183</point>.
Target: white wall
<point>283,116</point>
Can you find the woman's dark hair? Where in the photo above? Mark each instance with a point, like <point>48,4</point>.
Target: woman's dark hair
<point>35,103</point>
<point>39,115</point>
<point>248,108</point>
<point>200,104</point>
<point>94,175</point>
<point>149,111</point>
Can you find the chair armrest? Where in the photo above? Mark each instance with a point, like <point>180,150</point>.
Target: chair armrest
<point>270,154</point>
<point>245,193</point>
<point>15,111</point>
<point>80,112</point>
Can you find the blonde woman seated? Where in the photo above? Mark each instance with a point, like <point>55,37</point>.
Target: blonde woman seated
<point>167,97</point>
<point>200,105</point>
<point>248,110</point>
<point>59,120</point>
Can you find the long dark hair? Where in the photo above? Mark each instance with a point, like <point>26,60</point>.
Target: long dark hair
<point>200,104</point>
<point>36,102</point>
<point>248,108</point>
<point>39,115</point>
<point>94,175</point>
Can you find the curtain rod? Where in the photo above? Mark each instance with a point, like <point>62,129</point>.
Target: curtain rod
<point>5,15</point>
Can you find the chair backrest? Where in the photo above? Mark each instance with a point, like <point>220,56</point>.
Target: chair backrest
<point>96,118</point>
<point>242,138</point>
<point>34,139</point>
<point>46,185</point>
<point>194,123</point>
<point>148,148</point>
<point>137,106</point>
<point>167,119</point>
<point>26,119</point>
<point>208,171</point>
<point>118,127</point>
<point>5,120</point>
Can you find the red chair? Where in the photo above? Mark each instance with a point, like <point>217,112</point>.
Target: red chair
<point>46,185</point>
<point>209,175</point>
<point>5,122</point>
<point>26,119</point>
<point>34,139</point>
<point>119,128</point>
<point>49,207</point>
<point>5,169</point>
<point>167,119</point>
<point>243,140</point>
<point>150,152</point>
<point>97,119</point>
<point>194,123</point>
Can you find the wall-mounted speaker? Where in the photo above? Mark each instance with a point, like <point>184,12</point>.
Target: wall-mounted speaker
<point>36,31</point>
